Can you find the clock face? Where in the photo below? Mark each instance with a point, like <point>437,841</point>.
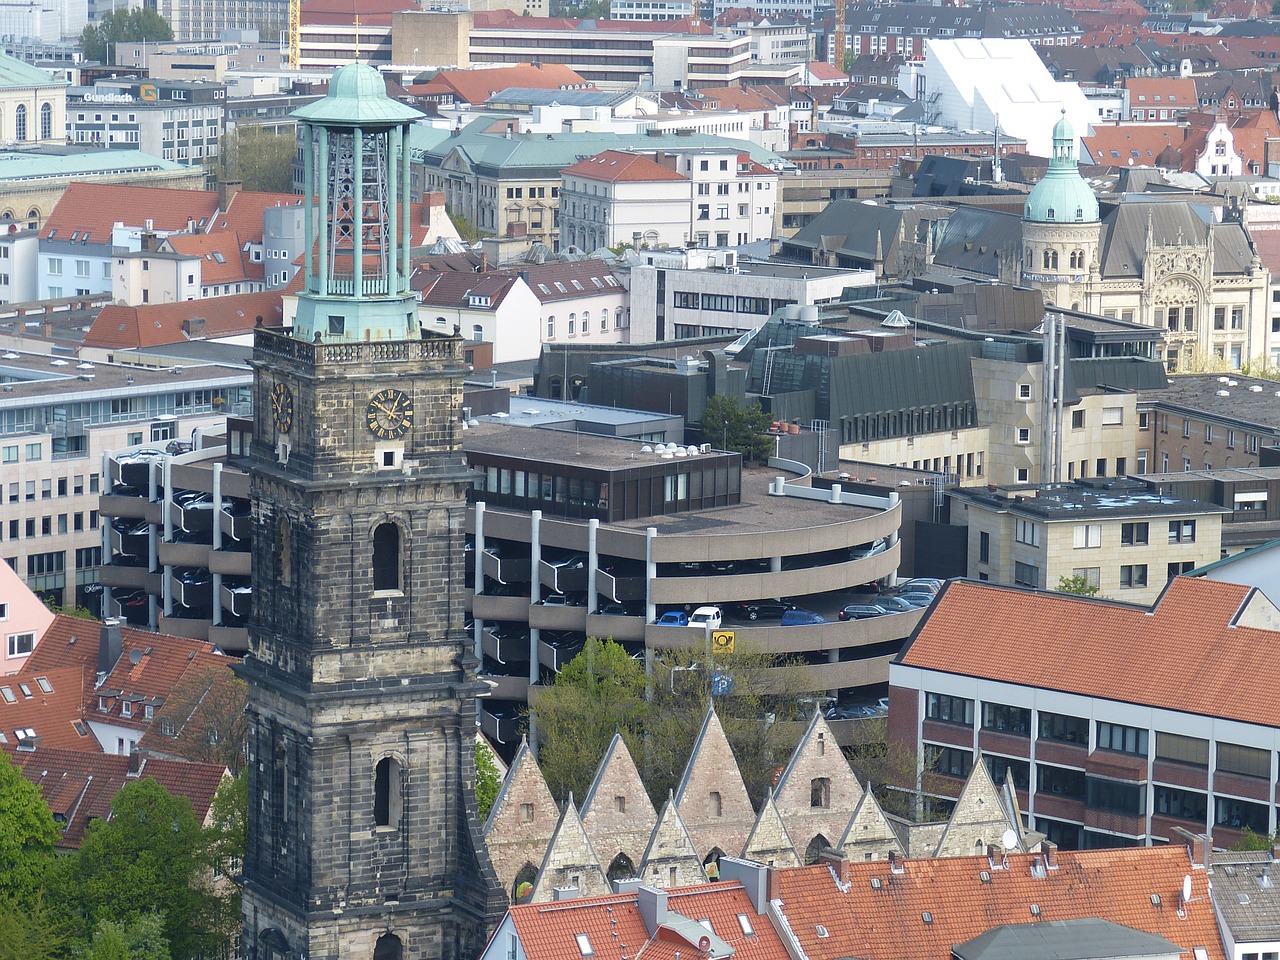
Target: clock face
<point>282,407</point>
<point>389,414</point>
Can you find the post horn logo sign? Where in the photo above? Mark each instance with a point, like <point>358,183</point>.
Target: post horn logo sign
<point>148,92</point>
<point>721,641</point>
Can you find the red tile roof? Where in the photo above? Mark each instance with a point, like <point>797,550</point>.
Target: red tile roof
<point>889,922</point>
<point>578,278</point>
<point>1186,653</point>
<point>618,166</point>
<point>243,215</point>
<point>92,209</point>
<point>826,71</point>
<point>1115,146</point>
<point>477,86</point>
<point>613,924</point>
<point>454,290</point>
<point>80,786</point>
<point>53,714</point>
<point>151,325</point>
<point>1178,93</point>
<point>221,258</point>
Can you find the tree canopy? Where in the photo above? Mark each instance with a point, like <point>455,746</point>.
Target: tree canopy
<point>735,426</point>
<point>487,779</point>
<point>27,834</point>
<point>259,159</point>
<point>604,690</point>
<point>98,40</point>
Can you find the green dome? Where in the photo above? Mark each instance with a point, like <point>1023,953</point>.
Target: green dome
<point>357,98</point>
<point>1062,196</point>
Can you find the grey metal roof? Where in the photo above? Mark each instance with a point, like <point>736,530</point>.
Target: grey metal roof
<point>1197,393</point>
<point>1085,939</point>
<point>974,238</point>
<point>1124,235</point>
<point>1248,903</point>
<point>849,228</point>
<point>530,96</point>
<point>1086,499</point>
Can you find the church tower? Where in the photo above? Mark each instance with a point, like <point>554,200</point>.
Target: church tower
<point>362,839</point>
<point>1061,231</point>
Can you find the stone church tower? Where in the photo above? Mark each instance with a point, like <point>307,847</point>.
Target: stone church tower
<point>362,835</point>
<point>1061,230</point>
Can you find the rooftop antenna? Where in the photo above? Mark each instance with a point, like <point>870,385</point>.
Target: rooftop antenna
<point>1184,897</point>
<point>1009,839</point>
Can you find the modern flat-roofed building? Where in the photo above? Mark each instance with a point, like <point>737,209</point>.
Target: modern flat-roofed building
<point>1205,421</point>
<point>1119,723</point>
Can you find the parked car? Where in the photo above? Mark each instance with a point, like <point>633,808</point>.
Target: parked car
<point>862,551</point>
<point>620,610</point>
<point>564,600</point>
<point>882,705</point>
<point>895,604</point>
<point>919,599</point>
<point>861,611</point>
<point>928,584</point>
<point>706,617</point>
<point>192,576</point>
<point>851,712</point>
<point>577,561</point>
<point>800,618</point>
<point>762,609</point>
<point>673,618</point>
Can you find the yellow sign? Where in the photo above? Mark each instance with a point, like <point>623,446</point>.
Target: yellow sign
<point>721,641</point>
<point>148,93</point>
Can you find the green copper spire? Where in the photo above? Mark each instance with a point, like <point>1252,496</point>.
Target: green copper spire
<point>1062,196</point>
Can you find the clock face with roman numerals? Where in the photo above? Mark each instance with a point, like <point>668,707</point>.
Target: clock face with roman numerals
<point>282,407</point>
<point>389,414</point>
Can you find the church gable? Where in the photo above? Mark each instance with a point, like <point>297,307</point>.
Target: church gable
<point>979,819</point>
<point>617,814</point>
<point>521,823</point>
<point>570,861</point>
<point>711,798</point>
<point>670,860</point>
<point>769,842</point>
<point>817,791</point>
<point>869,835</point>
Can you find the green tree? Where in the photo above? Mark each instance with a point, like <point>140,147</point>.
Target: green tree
<point>259,159</point>
<point>1256,841</point>
<point>224,841</point>
<point>141,938</point>
<point>150,856</point>
<point>29,931</point>
<point>487,779</point>
<point>27,835</point>
<point>1079,585</point>
<point>205,717</point>
<point>77,611</point>
<point>98,40</point>
<point>735,426</point>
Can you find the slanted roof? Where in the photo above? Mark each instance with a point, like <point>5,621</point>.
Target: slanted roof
<point>918,909</point>
<point>1186,653</point>
<point>477,86</point>
<point>156,324</point>
<point>571,279</point>
<point>1085,939</point>
<point>219,253</point>
<point>478,291</point>
<point>17,74</point>
<point>617,166</point>
<point>49,703</point>
<point>90,210</point>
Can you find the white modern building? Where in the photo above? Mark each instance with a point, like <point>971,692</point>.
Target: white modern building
<point>976,84</point>
<point>650,9</point>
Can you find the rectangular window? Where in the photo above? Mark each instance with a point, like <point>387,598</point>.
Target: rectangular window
<point>949,709</point>
<point>1006,719</point>
<point>1077,419</point>
<point>1088,535</point>
<point>1060,781</point>
<point>21,644</point>
<point>1122,739</point>
<point>1219,318</point>
<point>1024,435</point>
<point>1144,421</point>
<point>1246,761</point>
<point>1179,749</point>
<point>34,452</point>
<point>1112,416</point>
<point>1181,804</point>
<point>1116,796</point>
<point>953,762</point>
<point>984,547</point>
<point>1026,574</point>
<point>1090,575</point>
<point>9,454</point>
<point>1133,575</point>
<point>1025,531</point>
<point>1182,531</point>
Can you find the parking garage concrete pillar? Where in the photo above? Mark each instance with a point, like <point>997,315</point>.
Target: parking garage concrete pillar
<point>166,585</point>
<point>893,536</point>
<point>477,625</point>
<point>217,543</point>
<point>535,588</point>
<point>104,531</point>
<point>775,564</point>
<point>650,574</point>
<point>593,531</point>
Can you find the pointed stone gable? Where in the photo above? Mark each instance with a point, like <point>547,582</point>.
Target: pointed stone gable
<point>769,842</point>
<point>979,818</point>
<point>617,814</point>
<point>711,798</point>
<point>522,821</point>
<point>869,834</point>
<point>570,862</point>
<point>817,791</point>
<point>670,860</point>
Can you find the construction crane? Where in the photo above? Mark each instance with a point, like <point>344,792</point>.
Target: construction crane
<point>295,34</point>
<point>838,39</point>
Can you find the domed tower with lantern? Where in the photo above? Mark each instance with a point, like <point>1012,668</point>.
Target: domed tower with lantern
<point>1061,229</point>
<point>362,838</point>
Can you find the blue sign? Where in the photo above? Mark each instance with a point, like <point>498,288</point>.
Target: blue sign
<point>721,684</point>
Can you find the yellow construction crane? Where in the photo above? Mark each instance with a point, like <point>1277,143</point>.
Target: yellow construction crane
<point>838,38</point>
<point>295,34</point>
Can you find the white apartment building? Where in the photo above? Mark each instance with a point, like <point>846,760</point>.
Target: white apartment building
<point>650,9</point>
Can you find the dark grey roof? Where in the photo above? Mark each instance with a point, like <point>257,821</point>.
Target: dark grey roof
<point>530,96</point>
<point>1250,28</point>
<point>849,228</point>
<point>1197,394</point>
<point>1095,64</point>
<point>1250,909</point>
<point>1084,499</point>
<point>1124,235</point>
<point>1010,20</point>
<point>1086,939</point>
<point>974,238</point>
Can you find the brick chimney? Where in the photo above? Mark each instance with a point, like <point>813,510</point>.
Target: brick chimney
<point>193,327</point>
<point>227,189</point>
<point>110,646</point>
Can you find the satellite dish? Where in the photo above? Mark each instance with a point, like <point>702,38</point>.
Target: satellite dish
<point>1009,839</point>
<point>135,657</point>
<point>1186,889</point>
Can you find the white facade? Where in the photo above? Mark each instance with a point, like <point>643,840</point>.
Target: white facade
<point>507,326</point>
<point>18,253</point>
<point>650,9</point>
<point>596,214</point>
<point>975,84</point>
<point>1220,158</point>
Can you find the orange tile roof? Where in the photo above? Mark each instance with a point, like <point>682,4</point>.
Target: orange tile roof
<point>161,663</point>
<point>151,325</point>
<point>1114,146</point>
<point>80,786</point>
<point>205,245</point>
<point>477,86</point>
<point>243,215</point>
<point>888,923</point>
<point>92,209</point>
<point>1185,653</point>
<point>53,715</point>
<point>1176,92</point>
<point>615,928</point>
<point>618,166</point>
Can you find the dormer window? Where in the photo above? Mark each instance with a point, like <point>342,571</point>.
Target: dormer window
<point>126,708</point>
<point>104,704</point>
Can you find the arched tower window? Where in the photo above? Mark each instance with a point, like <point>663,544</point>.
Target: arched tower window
<point>46,121</point>
<point>386,557</point>
<point>386,793</point>
<point>20,122</point>
<point>388,947</point>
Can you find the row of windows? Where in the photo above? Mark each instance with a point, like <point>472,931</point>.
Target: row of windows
<point>66,522</point>
<point>724,303</point>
